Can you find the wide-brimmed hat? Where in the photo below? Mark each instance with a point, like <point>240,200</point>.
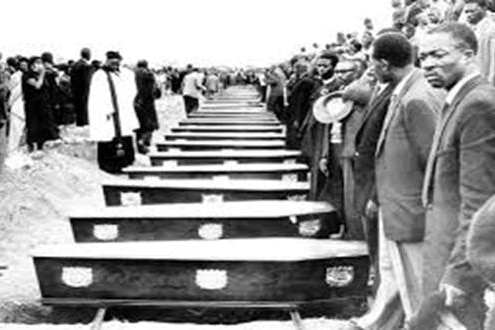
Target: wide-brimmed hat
<point>331,108</point>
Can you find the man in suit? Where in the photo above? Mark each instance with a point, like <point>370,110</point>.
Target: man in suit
<point>460,175</point>
<point>80,81</point>
<point>402,150</point>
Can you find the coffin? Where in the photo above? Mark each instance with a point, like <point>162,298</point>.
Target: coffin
<point>140,192</point>
<point>230,122</point>
<point>228,128</point>
<point>285,172</point>
<point>253,219</point>
<point>260,116</point>
<point>243,270</point>
<point>219,144</point>
<point>230,106</point>
<point>225,156</point>
<point>225,136</point>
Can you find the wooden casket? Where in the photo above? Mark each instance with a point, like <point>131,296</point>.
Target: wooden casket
<point>227,128</point>
<point>229,122</point>
<point>231,117</point>
<point>252,219</point>
<point>140,192</point>
<point>250,271</point>
<point>225,136</point>
<point>219,144</point>
<point>285,172</point>
<point>231,106</point>
<point>223,157</point>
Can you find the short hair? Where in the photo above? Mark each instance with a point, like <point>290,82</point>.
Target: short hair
<point>462,34</point>
<point>330,56</point>
<point>142,64</point>
<point>393,48</point>
<point>86,53</point>
<point>481,3</point>
<point>47,57</point>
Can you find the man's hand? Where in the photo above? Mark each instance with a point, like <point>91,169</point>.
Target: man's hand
<point>371,209</point>
<point>453,296</point>
<point>323,164</point>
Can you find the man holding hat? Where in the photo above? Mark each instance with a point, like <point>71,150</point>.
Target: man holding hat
<point>112,119</point>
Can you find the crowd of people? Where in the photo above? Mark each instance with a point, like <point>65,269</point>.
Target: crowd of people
<point>411,160</point>
<point>407,157</point>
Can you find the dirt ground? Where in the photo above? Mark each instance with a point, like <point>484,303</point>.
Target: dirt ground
<point>36,194</point>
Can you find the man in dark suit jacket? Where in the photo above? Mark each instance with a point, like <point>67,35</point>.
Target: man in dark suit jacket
<point>460,175</point>
<point>80,81</point>
<point>402,150</point>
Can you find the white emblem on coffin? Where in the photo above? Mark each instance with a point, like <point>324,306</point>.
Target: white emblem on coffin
<point>289,177</point>
<point>170,163</point>
<point>297,198</point>
<point>309,228</point>
<point>212,198</point>
<point>211,279</point>
<point>293,219</point>
<point>130,198</point>
<point>77,277</point>
<point>339,276</point>
<point>210,231</point>
<point>106,232</point>
<point>289,161</point>
<point>221,178</point>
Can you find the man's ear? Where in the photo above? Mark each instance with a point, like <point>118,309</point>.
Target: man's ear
<point>384,64</point>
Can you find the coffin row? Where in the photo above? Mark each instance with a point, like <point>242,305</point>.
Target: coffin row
<point>250,219</point>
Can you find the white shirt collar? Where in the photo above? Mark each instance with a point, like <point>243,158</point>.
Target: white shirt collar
<point>400,86</point>
<point>457,87</point>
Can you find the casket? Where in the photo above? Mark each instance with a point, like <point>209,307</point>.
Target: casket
<point>229,271</point>
<point>228,122</point>
<point>252,219</point>
<point>219,144</point>
<point>285,172</point>
<point>228,128</point>
<point>224,136</point>
<point>140,192</point>
<point>223,156</point>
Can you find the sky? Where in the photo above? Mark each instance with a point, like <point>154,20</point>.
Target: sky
<point>166,32</point>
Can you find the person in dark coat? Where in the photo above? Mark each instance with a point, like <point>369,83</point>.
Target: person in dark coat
<point>460,173</point>
<point>300,103</point>
<point>80,78</point>
<point>52,88</point>
<point>144,104</point>
<point>39,121</point>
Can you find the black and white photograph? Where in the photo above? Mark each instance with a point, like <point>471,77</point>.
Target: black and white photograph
<point>247,165</point>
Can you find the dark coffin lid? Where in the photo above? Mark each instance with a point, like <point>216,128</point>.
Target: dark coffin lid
<point>252,153</point>
<point>227,168</point>
<point>224,143</point>
<point>261,136</point>
<point>228,210</point>
<point>230,185</point>
<point>257,249</point>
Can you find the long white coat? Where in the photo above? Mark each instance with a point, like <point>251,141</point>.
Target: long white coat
<point>100,107</point>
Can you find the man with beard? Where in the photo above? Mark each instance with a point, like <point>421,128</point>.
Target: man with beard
<point>312,132</point>
<point>112,119</point>
<point>484,28</point>
<point>460,174</point>
<point>80,81</point>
